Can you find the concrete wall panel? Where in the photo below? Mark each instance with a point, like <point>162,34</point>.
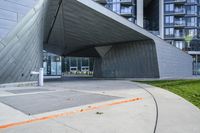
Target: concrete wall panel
<point>21,49</point>
<point>11,12</point>
<point>173,63</point>
<point>130,60</point>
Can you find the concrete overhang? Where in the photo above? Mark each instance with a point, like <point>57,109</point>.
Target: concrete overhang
<point>83,24</point>
<point>85,28</point>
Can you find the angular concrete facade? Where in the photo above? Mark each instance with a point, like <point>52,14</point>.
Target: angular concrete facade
<point>85,28</point>
<point>129,60</point>
<point>21,49</point>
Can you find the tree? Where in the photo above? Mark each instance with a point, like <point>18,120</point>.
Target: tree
<point>188,39</point>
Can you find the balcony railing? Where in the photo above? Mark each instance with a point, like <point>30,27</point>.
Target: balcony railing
<point>169,36</point>
<point>126,11</point>
<point>176,1</point>
<point>179,11</point>
<point>101,1</point>
<point>192,1</point>
<point>178,35</point>
<point>179,1</point>
<point>191,12</point>
<point>191,24</point>
<point>179,23</point>
<point>126,1</point>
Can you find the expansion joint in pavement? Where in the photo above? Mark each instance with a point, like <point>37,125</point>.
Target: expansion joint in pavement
<point>156,106</point>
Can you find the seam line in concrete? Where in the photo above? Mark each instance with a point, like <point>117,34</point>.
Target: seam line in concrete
<point>156,105</point>
<point>65,125</point>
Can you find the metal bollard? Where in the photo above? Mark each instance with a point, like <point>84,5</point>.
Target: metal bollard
<point>40,76</point>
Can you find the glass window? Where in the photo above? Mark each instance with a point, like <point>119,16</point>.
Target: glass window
<point>191,1</point>
<point>191,32</point>
<point>179,33</point>
<point>179,21</point>
<point>116,7</point>
<point>191,9</point>
<point>179,44</point>
<point>169,7</point>
<point>169,31</point>
<point>192,21</point>
<point>169,19</point>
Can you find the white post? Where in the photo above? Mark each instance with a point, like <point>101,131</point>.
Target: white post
<point>161,18</point>
<point>41,77</point>
<point>140,12</point>
<point>196,72</point>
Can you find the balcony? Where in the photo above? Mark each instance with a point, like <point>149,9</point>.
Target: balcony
<point>191,24</point>
<point>169,36</point>
<point>179,1</point>
<point>176,1</point>
<point>101,1</point>
<point>126,12</point>
<point>179,23</point>
<point>179,11</point>
<point>192,2</point>
<point>126,2</point>
<point>191,13</point>
<point>178,35</point>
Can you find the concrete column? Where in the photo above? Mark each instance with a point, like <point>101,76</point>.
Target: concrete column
<point>161,18</point>
<point>140,12</point>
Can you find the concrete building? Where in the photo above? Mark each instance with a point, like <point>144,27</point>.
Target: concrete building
<point>82,28</point>
<point>172,20</point>
<point>182,18</point>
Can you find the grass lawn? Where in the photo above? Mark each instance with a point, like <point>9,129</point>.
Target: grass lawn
<point>188,89</point>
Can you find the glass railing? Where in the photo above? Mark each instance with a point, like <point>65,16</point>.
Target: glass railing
<point>191,12</point>
<point>178,35</point>
<point>192,1</point>
<point>125,0</point>
<point>169,36</point>
<point>175,1</point>
<point>168,0</point>
<point>179,0</point>
<point>179,10</point>
<point>101,1</point>
<point>126,10</point>
<point>179,23</point>
<point>191,24</point>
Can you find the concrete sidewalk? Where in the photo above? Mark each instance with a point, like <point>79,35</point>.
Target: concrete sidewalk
<point>95,106</point>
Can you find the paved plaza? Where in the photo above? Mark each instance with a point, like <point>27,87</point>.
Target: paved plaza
<point>95,106</point>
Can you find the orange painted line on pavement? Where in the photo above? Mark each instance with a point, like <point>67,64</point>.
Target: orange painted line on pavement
<point>87,109</point>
